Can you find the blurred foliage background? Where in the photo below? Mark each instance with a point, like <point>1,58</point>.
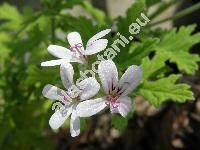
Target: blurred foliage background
<point>168,56</point>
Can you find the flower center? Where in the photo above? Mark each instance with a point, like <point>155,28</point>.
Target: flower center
<point>67,98</point>
<point>113,99</point>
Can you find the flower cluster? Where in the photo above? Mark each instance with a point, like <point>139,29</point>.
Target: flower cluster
<point>80,103</point>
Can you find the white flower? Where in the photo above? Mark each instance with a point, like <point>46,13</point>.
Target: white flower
<point>116,91</point>
<point>77,53</point>
<point>86,89</point>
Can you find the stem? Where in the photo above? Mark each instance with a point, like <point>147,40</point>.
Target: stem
<point>53,30</point>
<point>180,14</point>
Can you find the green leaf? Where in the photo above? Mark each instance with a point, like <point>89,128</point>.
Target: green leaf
<point>42,23</point>
<point>119,122</point>
<point>44,76</point>
<point>11,16</point>
<point>159,91</point>
<point>186,61</point>
<point>4,50</point>
<point>139,50</point>
<point>176,46</point>
<point>181,40</point>
<point>150,67</point>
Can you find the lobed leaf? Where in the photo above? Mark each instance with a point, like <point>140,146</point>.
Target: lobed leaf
<point>11,17</point>
<point>159,91</point>
<point>139,50</point>
<point>176,46</point>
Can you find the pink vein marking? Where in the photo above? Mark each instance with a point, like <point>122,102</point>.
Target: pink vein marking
<point>64,97</point>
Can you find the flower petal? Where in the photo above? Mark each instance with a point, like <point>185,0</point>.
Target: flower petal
<point>130,79</point>
<point>60,52</point>
<point>54,93</point>
<point>66,74</point>
<point>108,75</point>
<point>91,107</point>
<point>125,105</point>
<point>89,87</point>
<point>96,47</point>
<point>59,117</point>
<point>74,38</point>
<point>60,61</point>
<point>74,124</point>
<point>52,63</point>
<point>51,92</point>
<point>113,109</point>
<point>98,36</point>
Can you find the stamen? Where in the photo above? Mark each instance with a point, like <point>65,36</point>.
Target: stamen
<point>76,48</point>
